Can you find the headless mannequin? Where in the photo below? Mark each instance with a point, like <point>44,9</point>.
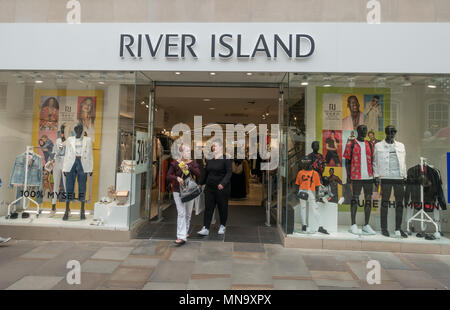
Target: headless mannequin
<point>307,166</point>
<point>314,155</point>
<point>399,193</point>
<point>358,185</point>
<point>78,134</point>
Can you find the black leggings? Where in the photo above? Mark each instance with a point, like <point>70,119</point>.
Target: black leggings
<point>219,198</point>
<point>367,186</point>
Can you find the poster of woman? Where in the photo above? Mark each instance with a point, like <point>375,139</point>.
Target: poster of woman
<point>49,114</point>
<point>332,147</point>
<point>86,115</point>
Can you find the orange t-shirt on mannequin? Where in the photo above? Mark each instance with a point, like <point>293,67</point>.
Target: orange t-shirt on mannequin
<point>304,180</point>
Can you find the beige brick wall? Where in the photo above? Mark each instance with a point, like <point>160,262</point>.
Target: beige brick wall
<point>99,11</point>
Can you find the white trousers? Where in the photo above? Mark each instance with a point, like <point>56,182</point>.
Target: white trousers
<point>184,210</point>
<point>57,176</point>
<point>311,203</point>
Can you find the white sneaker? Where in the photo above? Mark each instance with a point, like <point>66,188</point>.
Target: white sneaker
<point>355,230</point>
<point>437,235</point>
<point>204,231</point>
<point>222,230</point>
<point>368,230</point>
<point>398,234</point>
<point>4,240</point>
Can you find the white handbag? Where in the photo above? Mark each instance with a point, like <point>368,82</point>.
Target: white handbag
<point>199,204</point>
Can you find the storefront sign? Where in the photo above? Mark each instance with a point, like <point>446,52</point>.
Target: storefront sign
<point>142,152</point>
<point>221,46</point>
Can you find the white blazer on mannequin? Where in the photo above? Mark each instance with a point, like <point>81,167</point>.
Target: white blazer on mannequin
<point>87,160</point>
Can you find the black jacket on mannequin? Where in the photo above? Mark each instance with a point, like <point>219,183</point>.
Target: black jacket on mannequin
<point>432,190</point>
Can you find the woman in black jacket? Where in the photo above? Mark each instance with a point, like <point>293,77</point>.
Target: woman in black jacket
<point>217,188</point>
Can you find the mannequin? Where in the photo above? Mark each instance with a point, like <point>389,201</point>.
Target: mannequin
<point>359,167</point>
<point>317,161</point>
<point>390,171</point>
<point>59,151</point>
<point>78,163</point>
<point>308,180</point>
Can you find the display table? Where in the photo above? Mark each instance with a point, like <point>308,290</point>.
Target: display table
<point>112,214</point>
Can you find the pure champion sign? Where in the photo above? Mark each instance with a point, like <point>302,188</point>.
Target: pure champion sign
<point>224,46</point>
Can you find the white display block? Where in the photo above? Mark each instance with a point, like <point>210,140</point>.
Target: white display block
<point>112,214</point>
<point>329,216</point>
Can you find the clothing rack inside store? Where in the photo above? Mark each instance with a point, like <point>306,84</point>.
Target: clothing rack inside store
<point>24,199</point>
<point>422,216</point>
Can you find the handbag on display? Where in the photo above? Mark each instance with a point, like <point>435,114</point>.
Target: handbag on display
<point>190,190</point>
<point>302,194</point>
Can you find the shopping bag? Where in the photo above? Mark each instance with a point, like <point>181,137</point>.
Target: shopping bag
<point>199,203</point>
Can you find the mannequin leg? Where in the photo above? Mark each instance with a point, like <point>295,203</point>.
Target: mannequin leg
<point>367,187</point>
<point>399,193</point>
<point>386,189</point>
<point>356,186</point>
<point>303,212</point>
<point>57,175</point>
<point>82,216</point>
<point>66,214</point>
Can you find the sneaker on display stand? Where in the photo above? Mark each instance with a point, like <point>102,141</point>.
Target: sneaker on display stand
<point>355,230</point>
<point>368,230</point>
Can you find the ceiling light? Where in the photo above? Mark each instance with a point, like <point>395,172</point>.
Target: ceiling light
<point>177,73</point>
<point>212,108</point>
<point>146,106</point>
<point>101,83</point>
<point>207,100</point>
<point>249,73</point>
<point>143,102</point>
<point>39,81</point>
<point>267,113</point>
<point>212,73</point>
<point>351,82</point>
<point>326,82</point>
<point>407,82</point>
<point>305,81</point>
<point>432,86</point>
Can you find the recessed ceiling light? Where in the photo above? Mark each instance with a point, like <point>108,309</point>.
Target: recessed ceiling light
<point>305,81</point>
<point>212,73</point>
<point>177,73</point>
<point>101,83</point>
<point>207,100</point>
<point>39,81</point>
<point>432,86</point>
<point>249,73</point>
<point>146,106</point>
<point>212,108</point>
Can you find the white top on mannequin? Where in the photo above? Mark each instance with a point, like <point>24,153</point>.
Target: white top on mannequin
<point>364,168</point>
<point>78,146</point>
<point>394,165</point>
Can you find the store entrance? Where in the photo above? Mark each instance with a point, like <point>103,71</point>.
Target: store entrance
<point>250,217</point>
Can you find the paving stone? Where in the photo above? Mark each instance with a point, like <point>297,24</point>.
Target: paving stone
<point>389,261</point>
<point>141,262</point>
<point>169,271</point>
<point>384,285</point>
<point>336,283</point>
<point>156,249</point>
<point>165,286</point>
<point>248,247</point>
<point>16,269</point>
<point>331,275</point>
<point>112,253</point>
<point>129,278</point>
<point>318,262</point>
<point>214,253</point>
<point>288,265</point>
<point>35,283</point>
<point>184,254</point>
<point>360,270</point>
<point>46,251</point>
<point>99,266</point>
<point>209,284</point>
<point>414,279</point>
<point>251,273</point>
<point>213,267</point>
<point>279,284</point>
<point>89,281</point>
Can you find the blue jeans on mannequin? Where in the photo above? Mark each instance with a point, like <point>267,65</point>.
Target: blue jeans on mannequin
<point>78,173</point>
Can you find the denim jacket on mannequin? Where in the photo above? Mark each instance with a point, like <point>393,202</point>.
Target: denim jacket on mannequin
<point>34,171</point>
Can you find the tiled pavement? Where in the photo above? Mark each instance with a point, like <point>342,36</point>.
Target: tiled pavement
<point>158,265</point>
